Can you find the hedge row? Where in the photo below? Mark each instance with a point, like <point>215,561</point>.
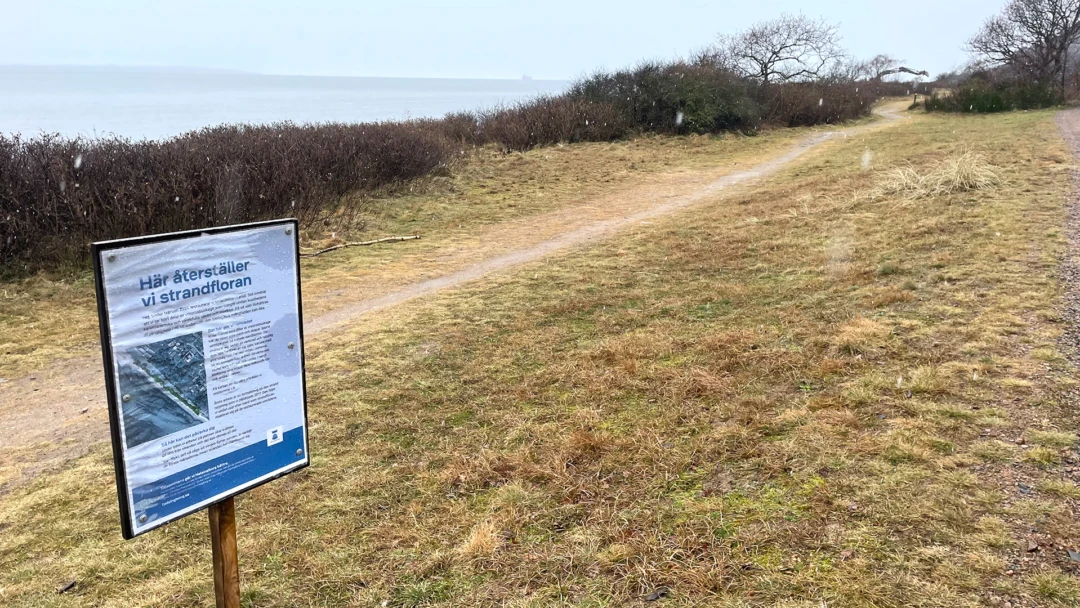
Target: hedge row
<point>58,194</point>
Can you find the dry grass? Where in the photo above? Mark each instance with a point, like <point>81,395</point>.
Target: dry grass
<point>720,407</point>
<point>51,316</point>
<point>861,336</point>
<point>963,172</point>
<point>481,542</point>
<point>45,318</point>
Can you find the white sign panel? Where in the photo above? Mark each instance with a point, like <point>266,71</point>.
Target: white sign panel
<point>203,347</point>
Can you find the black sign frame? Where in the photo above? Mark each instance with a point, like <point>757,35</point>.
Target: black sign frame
<point>112,392</point>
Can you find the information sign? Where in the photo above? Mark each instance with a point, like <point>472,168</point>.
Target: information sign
<point>204,365</point>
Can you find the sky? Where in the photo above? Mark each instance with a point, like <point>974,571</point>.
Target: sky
<point>552,39</point>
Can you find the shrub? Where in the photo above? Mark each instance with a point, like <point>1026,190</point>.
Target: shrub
<point>58,194</point>
<point>458,127</point>
<point>704,97</point>
<point>549,120</point>
<point>675,97</point>
<point>802,104</point>
<point>980,94</point>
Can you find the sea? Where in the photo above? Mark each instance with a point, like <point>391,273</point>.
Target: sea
<point>158,103</point>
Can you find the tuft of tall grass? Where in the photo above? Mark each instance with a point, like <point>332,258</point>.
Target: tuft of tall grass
<point>967,171</point>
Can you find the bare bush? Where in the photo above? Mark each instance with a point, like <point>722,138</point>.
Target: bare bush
<point>825,102</point>
<point>458,127</point>
<point>550,120</point>
<point>58,194</point>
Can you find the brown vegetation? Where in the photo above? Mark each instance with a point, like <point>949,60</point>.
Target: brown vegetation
<point>59,194</point>
<point>963,172</point>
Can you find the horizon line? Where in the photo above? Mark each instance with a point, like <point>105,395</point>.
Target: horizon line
<point>212,70</point>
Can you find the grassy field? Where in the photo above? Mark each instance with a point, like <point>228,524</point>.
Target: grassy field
<point>811,394</point>
<point>52,316</point>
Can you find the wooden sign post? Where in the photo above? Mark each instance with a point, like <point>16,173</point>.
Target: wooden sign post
<point>226,561</point>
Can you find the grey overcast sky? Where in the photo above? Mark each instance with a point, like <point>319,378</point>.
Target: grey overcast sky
<point>556,39</point>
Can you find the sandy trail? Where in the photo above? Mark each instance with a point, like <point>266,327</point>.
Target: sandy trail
<point>58,413</point>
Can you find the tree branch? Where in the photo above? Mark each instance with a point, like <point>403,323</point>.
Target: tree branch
<point>387,239</point>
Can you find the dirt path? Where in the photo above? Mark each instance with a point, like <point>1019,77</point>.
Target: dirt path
<point>52,416</point>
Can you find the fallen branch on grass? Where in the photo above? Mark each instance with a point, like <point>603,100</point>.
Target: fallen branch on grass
<point>386,239</point>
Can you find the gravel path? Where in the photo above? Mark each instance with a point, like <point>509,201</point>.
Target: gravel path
<point>1068,122</point>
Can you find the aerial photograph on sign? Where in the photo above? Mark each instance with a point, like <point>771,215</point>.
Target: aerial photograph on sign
<point>163,388</point>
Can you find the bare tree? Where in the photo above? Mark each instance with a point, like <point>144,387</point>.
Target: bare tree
<point>789,48</point>
<point>1031,36</point>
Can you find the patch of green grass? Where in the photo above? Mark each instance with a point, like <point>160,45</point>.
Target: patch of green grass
<point>425,592</point>
<point>887,269</point>
<point>1052,439</point>
<point>993,450</point>
<point>1055,587</point>
<point>1042,456</point>
<point>1060,487</point>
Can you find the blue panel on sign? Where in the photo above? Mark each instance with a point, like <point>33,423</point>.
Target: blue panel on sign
<point>200,483</point>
